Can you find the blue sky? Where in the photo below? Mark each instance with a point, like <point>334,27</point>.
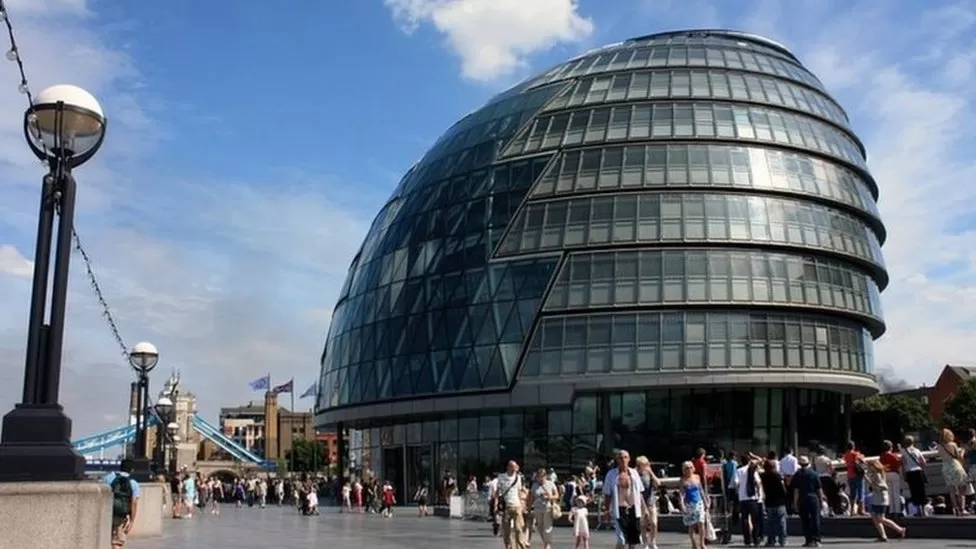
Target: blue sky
<point>250,145</point>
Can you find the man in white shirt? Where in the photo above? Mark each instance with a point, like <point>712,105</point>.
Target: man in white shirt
<point>749,490</point>
<point>508,496</point>
<point>787,467</point>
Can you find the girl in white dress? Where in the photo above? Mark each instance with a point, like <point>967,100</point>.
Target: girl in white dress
<point>580,517</point>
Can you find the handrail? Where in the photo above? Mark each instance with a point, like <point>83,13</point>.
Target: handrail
<point>222,440</point>
<point>113,437</point>
<point>837,464</point>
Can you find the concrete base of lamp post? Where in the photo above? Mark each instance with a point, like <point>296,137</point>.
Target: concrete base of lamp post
<point>55,515</point>
<point>149,519</point>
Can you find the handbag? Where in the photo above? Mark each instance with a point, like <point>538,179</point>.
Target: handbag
<point>710,533</point>
<point>556,510</point>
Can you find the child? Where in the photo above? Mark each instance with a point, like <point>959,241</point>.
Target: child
<point>580,517</point>
<point>313,502</point>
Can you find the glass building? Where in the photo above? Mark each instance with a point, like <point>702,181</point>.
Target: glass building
<point>666,243</point>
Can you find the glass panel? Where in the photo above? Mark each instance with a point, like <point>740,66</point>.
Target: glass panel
<point>744,122</point>
<point>758,219</point>
<point>712,340</point>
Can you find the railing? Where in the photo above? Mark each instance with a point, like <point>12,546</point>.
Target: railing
<point>932,470</point>
<point>220,439</point>
<point>114,437</point>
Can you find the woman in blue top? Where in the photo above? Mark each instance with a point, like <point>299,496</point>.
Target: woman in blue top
<point>693,505</point>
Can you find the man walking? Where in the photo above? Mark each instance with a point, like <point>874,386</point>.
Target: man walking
<point>508,497</point>
<point>125,502</point>
<point>807,495</point>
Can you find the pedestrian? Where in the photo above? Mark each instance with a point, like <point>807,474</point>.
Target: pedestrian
<point>808,496</point>
<point>125,502</point>
<point>622,489</point>
<point>508,498</point>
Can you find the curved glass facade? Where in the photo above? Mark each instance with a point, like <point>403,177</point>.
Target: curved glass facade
<point>678,207</point>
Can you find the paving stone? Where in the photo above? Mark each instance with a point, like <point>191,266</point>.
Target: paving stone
<point>253,528</point>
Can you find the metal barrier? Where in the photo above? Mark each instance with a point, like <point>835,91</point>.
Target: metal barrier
<point>476,506</point>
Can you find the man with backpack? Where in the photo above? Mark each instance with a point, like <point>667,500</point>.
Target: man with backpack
<point>125,502</point>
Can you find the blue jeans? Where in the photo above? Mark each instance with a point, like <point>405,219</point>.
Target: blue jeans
<point>810,517</point>
<point>776,525</point>
<point>855,487</point>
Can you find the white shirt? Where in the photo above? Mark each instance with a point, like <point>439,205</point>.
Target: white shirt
<point>509,487</point>
<point>742,484</point>
<point>911,459</point>
<point>788,465</point>
<point>492,486</point>
<point>580,517</point>
<point>610,488</point>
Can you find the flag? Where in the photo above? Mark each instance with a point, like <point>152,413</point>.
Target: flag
<point>261,383</point>
<point>284,388</point>
<point>312,391</point>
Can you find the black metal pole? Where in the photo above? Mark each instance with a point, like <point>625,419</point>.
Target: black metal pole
<point>38,305</point>
<point>36,441</point>
<point>59,292</point>
<point>142,468</point>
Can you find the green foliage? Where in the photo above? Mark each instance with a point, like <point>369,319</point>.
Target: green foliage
<point>960,410</point>
<point>890,417</point>
<point>306,456</point>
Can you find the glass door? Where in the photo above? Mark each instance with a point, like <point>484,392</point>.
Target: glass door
<point>420,469</point>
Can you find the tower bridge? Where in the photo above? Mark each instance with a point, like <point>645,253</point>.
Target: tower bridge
<point>192,431</point>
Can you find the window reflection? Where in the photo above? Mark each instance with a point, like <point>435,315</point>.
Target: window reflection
<point>705,120</point>
<point>712,340</point>
<point>697,217</point>
<point>720,166</point>
<point>665,425</point>
<point>655,277</point>
<point>703,83</point>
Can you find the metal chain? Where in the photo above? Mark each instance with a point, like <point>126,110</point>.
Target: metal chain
<point>14,55</point>
<point>97,290</point>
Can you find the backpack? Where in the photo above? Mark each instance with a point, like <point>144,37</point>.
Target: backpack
<point>121,496</point>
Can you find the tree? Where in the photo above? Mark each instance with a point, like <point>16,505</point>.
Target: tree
<point>890,417</point>
<point>960,410</point>
<point>306,456</point>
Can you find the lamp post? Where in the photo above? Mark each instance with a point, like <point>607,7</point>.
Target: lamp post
<point>143,358</point>
<point>64,127</point>
<point>164,411</point>
<point>173,455</point>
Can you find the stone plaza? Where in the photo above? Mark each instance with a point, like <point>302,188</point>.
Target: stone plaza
<point>252,528</point>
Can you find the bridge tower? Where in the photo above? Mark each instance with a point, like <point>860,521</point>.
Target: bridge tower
<point>271,438</point>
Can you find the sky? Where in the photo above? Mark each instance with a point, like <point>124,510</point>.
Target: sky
<point>249,146</point>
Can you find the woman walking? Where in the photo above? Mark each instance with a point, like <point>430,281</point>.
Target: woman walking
<point>874,476</point>
<point>953,471</point>
<point>650,484</point>
<point>543,496</point>
<point>693,505</point>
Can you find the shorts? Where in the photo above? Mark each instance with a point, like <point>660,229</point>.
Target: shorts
<point>855,487</point>
<point>879,510</point>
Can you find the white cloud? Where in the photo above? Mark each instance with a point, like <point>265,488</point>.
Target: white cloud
<point>228,278</point>
<point>13,263</point>
<point>495,38</point>
<point>915,112</point>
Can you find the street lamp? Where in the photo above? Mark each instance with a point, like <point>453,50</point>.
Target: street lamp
<point>64,127</point>
<point>164,411</point>
<point>143,358</point>
<point>175,438</point>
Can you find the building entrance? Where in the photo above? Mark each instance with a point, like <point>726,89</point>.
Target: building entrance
<point>420,469</point>
<point>393,466</point>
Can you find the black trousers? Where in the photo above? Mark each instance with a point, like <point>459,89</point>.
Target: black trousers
<point>752,521</point>
<point>810,518</point>
<point>916,487</point>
